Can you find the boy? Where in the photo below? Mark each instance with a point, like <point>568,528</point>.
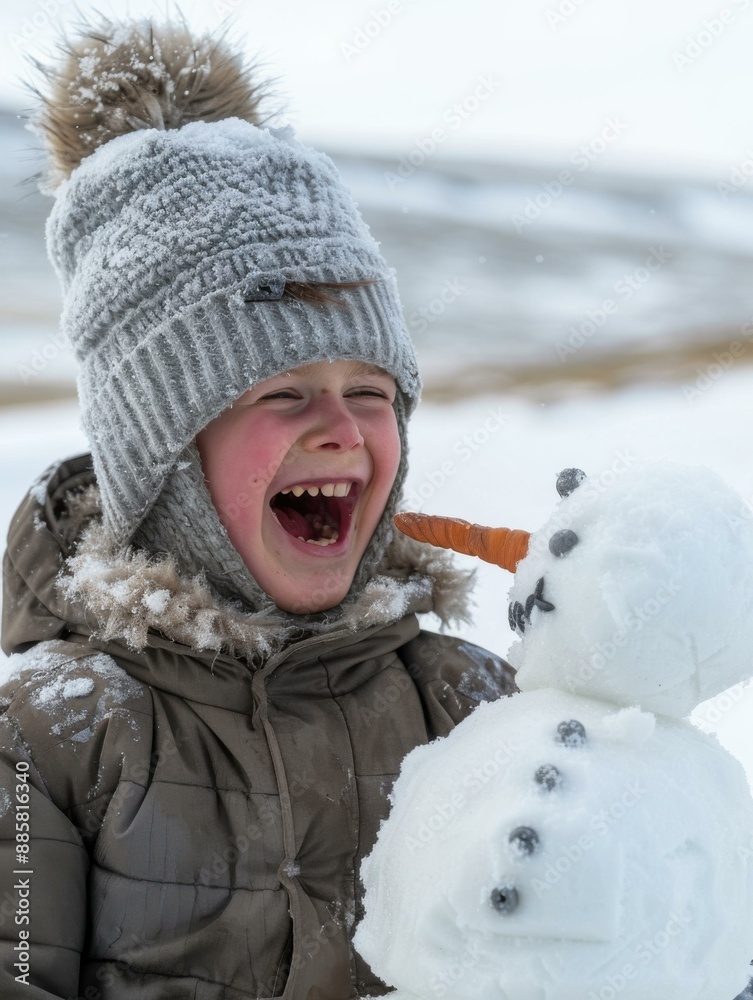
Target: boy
<point>221,666</point>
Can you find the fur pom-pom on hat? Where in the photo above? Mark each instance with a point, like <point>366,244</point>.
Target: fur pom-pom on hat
<point>120,78</point>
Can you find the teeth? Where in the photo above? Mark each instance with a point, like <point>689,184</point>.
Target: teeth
<point>328,490</point>
<point>322,541</point>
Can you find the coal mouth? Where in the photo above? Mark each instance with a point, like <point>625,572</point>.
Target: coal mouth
<point>310,517</point>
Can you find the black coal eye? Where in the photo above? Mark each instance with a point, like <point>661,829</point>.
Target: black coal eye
<point>524,839</point>
<point>562,541</point>
<point>504,898</point>
<point>571,733</point>
<point>569,480</point>
<point>548,777</point>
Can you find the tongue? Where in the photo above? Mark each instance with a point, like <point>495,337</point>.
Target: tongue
<point>293,522</point>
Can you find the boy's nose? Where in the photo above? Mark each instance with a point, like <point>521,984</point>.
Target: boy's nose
<point>332,426</point>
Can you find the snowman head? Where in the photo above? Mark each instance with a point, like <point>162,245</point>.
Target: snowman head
<point>638,590</point>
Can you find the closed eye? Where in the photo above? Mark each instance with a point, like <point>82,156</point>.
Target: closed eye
<point>289,394</point>
<point>369,392</point>
<point>281,394</point>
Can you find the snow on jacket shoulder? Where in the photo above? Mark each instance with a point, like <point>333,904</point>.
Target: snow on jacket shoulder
<point>202,786</point>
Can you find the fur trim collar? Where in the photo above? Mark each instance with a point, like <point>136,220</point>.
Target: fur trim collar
<point>128,593</point>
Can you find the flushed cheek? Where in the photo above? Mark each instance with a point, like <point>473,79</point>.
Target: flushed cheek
<point>243,472</point>
<point>386,457</point>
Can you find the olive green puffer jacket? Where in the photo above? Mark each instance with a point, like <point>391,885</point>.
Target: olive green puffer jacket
<point>197,819</point>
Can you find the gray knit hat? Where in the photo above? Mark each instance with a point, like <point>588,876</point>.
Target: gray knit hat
<point>174,241</point>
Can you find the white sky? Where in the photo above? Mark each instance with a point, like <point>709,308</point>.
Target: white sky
<point>557,80</point>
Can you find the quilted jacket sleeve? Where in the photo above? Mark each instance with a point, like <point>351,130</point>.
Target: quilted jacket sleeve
<point>43,867</point>
<point>453,676</point>
<point>69,720</point>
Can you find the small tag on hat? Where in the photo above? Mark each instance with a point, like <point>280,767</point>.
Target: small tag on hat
<point>264,288</point>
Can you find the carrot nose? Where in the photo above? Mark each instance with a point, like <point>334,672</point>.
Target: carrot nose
<point>504,547</point>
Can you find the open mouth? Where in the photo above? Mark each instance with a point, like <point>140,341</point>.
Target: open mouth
<point>320,515</point>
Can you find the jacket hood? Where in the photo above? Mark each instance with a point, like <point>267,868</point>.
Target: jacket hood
<point>62,573</point>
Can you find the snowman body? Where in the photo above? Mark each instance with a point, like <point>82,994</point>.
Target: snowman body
<point>582,840</point>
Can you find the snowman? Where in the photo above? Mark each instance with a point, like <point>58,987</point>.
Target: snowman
<point>582,840</point>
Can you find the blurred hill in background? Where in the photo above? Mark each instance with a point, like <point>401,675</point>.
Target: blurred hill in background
<point>543,279</point>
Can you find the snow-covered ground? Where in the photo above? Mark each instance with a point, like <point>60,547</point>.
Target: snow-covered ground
<point>493,460</point>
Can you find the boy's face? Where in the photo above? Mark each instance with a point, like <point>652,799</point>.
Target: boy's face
<point>329,427</point>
